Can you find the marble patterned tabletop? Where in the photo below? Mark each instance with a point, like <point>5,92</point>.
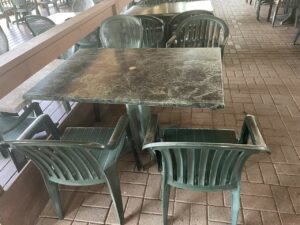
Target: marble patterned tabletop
<point>184,77</point>
<point>170,8</point>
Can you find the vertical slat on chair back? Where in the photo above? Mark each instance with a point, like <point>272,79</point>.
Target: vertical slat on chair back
<point>202,31</point>
<point>205,167</point>
<point>63,163</point>
<point>153,34</point>
<point>3,42</point>
<point>121,32</point>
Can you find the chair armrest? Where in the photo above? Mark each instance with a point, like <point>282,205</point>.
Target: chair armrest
<point>250,129</point>
<point>152,130</point>
<point>171,41</point>
<point>32,108</point>
<point>43,121</point>
<point>118,132</point>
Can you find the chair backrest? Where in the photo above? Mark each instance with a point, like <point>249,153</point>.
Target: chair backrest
<point>63,162</point>
<point>202,31</point>
<point>4,47</point>
<point>206,165</point>
<point>176,20</point>
<point>153,35</point>
<point>38,24</point>
<point>121,32</point>
<point>81,5</point>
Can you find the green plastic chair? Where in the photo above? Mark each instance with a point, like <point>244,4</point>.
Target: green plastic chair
<point>13,125</point>
<point>82,156</point>
<point>201,31</point>
<point>206,160</point>
<point>153,35</point>
<point>4,47</point>
<point>121,32</point>
<point>81,5</point>
<point>38,24</point>
<point>176,20</point>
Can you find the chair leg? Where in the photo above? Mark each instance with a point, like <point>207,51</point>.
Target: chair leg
<point>54,196</point>
<point>297,36</point>
<point>113,183</point>
<point>165,192</point>
<point>67,106</point>
<point>235,205</point>
<point>275,14</point>
<point>258,11</point>
<point>269,13</point>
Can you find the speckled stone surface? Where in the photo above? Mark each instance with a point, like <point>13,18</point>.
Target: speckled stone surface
<point>154,77</point>
<point>170,8</point>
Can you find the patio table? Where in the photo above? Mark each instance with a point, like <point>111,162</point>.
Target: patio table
<point>59,18</point>
<point>170,9</point>
<point>139,78</point>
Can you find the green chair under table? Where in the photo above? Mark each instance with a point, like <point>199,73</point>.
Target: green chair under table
<point>81,156</point>
<point>205,159</point>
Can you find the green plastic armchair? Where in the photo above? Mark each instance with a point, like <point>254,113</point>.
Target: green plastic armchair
<point>206,160</point>
<point>153,31</point>
<point>201,31</point>
<point>82,156</point>
<point>176,20</point>
<point>13,125</point>
<point>4,47</point>
<point>121,32</point>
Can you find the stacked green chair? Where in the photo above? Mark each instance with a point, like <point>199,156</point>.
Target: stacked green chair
<point>205,159</point>
<point>81,156</point>
<point>153,35</point>
<point>176,20</point>
<point>81,5</point>
<point>121,32</point>
<point>4,47</point>
<point>201,31</point>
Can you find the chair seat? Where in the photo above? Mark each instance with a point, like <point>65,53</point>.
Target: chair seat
<point>198,135</point>
<point>8,121</point>
<point>100,135</point>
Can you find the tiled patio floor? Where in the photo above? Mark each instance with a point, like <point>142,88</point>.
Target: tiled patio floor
<point>261,77</point>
